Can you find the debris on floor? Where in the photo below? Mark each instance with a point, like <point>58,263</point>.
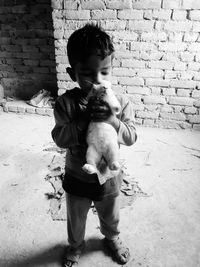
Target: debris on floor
<point>130,189</point>
<point>42,99</point>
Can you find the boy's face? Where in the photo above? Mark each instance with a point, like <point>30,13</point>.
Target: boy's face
<point>92,72</point>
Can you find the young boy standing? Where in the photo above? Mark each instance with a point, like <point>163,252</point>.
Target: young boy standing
<point>90,52</point>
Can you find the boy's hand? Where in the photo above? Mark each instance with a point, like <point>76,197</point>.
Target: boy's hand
<point>99,110</point>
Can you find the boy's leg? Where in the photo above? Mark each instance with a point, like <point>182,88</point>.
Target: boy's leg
<point>109,214</point>
<point>77,210</point>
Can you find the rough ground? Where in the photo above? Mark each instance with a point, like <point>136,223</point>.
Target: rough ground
<point>162,230</point>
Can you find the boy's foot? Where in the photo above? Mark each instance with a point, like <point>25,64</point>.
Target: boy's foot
<point>72,256</point>
<point>119,249</point>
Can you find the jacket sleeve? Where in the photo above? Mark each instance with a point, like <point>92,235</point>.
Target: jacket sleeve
<point>127,132</point>
<point>65,133</point>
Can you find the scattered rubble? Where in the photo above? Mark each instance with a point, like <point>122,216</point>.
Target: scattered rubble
<point>130,189</point>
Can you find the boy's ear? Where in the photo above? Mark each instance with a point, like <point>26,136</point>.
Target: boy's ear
<point>71,73</point>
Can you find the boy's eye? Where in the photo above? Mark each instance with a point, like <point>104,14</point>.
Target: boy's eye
<point>104,72</point>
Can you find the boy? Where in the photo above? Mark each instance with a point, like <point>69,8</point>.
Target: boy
<point>90,52</point>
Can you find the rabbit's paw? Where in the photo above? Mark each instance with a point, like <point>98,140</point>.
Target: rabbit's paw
<point>90,169</point>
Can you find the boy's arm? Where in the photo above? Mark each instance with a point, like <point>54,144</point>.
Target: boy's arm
<point>67,132</point>
<point>124,124</point>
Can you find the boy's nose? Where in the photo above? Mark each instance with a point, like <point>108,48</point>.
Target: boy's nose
<point>97,79</point>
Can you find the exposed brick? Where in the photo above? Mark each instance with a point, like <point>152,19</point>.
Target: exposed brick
<point>140,25</point>
<point>136,99</point>
<point>130,14</point>
<point>148,14</point>
<point>196,28</point>
<point>150,73</point>
<point>131,63</point>
<point>116,25</point>
<point>172,46</point>
<point>118,4</point>
<point>137,107</point>
<point>149,122</point>
<point>187,56</point>
<point>57,4</point>
<point>143,46</point>
<point>153,36</point>
<point>182,101</point>
<point>190,110</point>
<point>180,66</point>
<point>147,114</point>
<point>155,90</point>
<point>157,82</point>
<point>190,37</point>
<point>5,41</point>
<point>177,26</point>
<point>191,4</point>
<point>74,14</point>
<point>175,37</point>
<point>151,107</point>
<point>70,5</point>
<point>138,90</point>
<point>31,62</point>
<point>161,14</point>
<point>166,109</point>
<point>40,111</point>
<point>92,4</point>
<point>124,72</point>
<point>194,66</point>
<point>123,36</point>
<point>138,121</point>
<point>196,127</point>
<point>197,57</point>
<point>58,34</point>
<point>194,15</point>
<point>194,118</point>
<point>171,4</point>
<point>19,9</point>
<point>197,103</point>
<point>154,100</point>
<point>186,75</point>
<point>159,25</point>
<point>197,76</point>
<point>106,14</point>
<point>156,42</point>
<point>179,15</point>
<point>62,59</point>
<point>183,84</point>
<point>194,47</point>
<point>146,4</point>
<point>196,93</point>
<point>170,56</point>
<point>14,61</point>
<point>131,81</point>
<point>164,65</point>
<point>182,92</point>
<point>151,55</point>
<point>173,116</point>
<point>11,108</point>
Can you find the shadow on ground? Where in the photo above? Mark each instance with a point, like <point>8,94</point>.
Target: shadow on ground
<point>54,255</point>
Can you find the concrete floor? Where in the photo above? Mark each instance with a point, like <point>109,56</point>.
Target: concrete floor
<point>162,230</point>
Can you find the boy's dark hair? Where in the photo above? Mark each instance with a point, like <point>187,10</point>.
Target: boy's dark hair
<point>84,42</point>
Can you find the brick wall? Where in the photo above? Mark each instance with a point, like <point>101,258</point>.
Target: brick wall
<point>27,58</point>
<point>157,59</point>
